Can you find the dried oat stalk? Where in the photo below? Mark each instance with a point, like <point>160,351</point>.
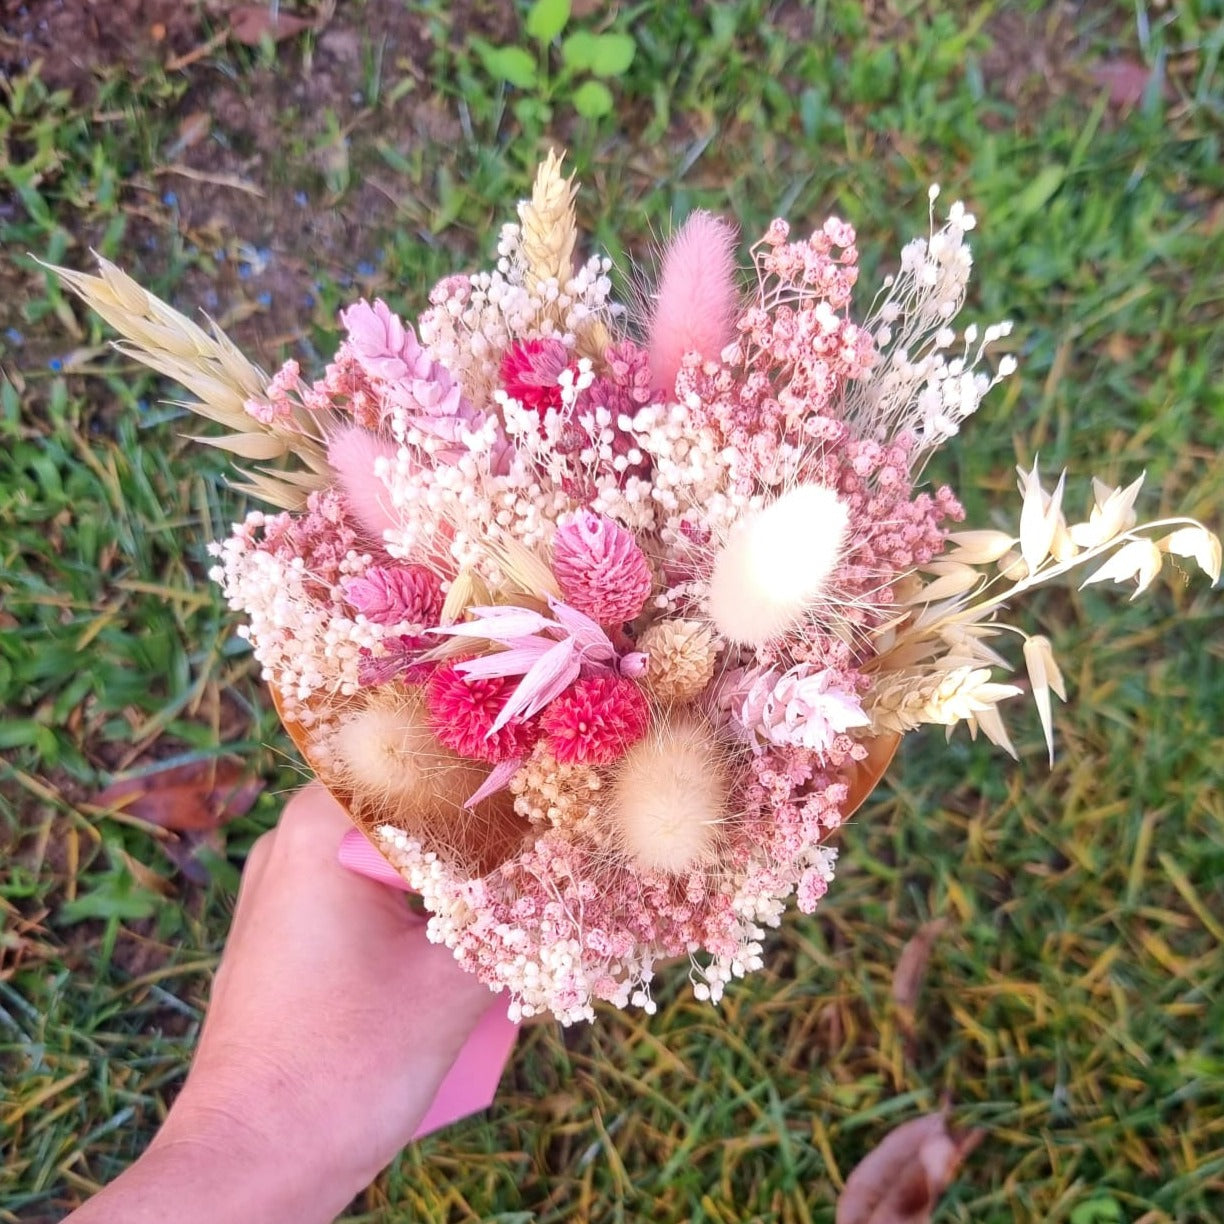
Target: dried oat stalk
<point>212,368</point>
<point>934,659</point>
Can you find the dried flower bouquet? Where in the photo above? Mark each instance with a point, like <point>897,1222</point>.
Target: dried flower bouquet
<point>600,631</point>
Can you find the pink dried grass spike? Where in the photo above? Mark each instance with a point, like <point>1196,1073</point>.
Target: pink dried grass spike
<point>696,303</point>
<point>352,453</point>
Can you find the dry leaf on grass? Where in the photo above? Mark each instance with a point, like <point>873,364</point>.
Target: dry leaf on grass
<point>191,130</point>
<point>1125,81</point>
<point>912,964</point>
<point>187,852</point>
<point>195,797</point>
<point>901,1180</point>
<point>250,23</point>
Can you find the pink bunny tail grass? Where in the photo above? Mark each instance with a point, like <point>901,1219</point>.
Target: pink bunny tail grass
<point>352,453</point>
<point>697,297</point>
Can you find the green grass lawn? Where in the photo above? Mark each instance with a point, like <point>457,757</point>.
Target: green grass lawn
<point>1075,1006</point>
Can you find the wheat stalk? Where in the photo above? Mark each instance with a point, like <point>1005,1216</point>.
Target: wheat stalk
<point>548,228</point>
<point>211,367</point>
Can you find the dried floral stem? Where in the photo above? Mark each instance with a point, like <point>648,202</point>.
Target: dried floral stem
<point>210,366</point>
<point>974,612</point>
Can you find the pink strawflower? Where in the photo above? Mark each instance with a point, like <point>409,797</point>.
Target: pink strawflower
<point>462,712</point>
<point>596,720</point>
<point>601,569</point>
<point>530,372</point>
<point>546,655</point>
<point>387,595</point>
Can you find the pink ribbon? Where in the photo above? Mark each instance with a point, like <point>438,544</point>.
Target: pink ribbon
<point>472,1081</point>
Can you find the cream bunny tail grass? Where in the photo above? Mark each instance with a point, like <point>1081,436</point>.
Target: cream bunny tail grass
<point>211,367</point>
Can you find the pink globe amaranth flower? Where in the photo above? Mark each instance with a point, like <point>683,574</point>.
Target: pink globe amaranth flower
<point>601,569</point>
<point>530,372</point>
<point>596,720</point>
<point>379,340</point>
<point>387,595</point>
<point>462,712</point>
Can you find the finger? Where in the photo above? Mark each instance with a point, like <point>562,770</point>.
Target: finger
<point>314,812</point>
<point>254,869</point>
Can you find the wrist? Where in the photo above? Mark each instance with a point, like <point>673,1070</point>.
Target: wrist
<point>263,1136</point>
<point>195,1180</point>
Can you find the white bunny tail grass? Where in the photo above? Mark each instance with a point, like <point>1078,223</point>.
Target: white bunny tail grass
<point>385,756</point>
<point>775,564</point>
<point>670,796</point>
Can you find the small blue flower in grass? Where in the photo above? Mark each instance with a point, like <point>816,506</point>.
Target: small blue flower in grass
<point>264,299</point>
<point>301,199</point>
<point>55,365</point>
<point>365,268</point>
<point>13,336</point>
<point>170,199</point>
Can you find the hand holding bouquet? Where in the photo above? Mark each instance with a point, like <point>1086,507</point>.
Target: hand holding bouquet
<point>600,621</point>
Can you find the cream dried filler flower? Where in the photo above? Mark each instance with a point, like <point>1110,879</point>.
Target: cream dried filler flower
<point>598,636</point>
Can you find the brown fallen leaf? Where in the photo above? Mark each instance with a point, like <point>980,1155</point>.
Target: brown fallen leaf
<point>1125,81</point>
<point>912,964</point>
<point>186,852</point>
<point>197,796</point>
<point>191,130</point>
<point>251,23</point>
<point>900,1181</point>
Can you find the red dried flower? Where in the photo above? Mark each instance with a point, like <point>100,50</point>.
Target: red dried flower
<point>462,713</point>
<point>596,720</point>
<point>530,370</point>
